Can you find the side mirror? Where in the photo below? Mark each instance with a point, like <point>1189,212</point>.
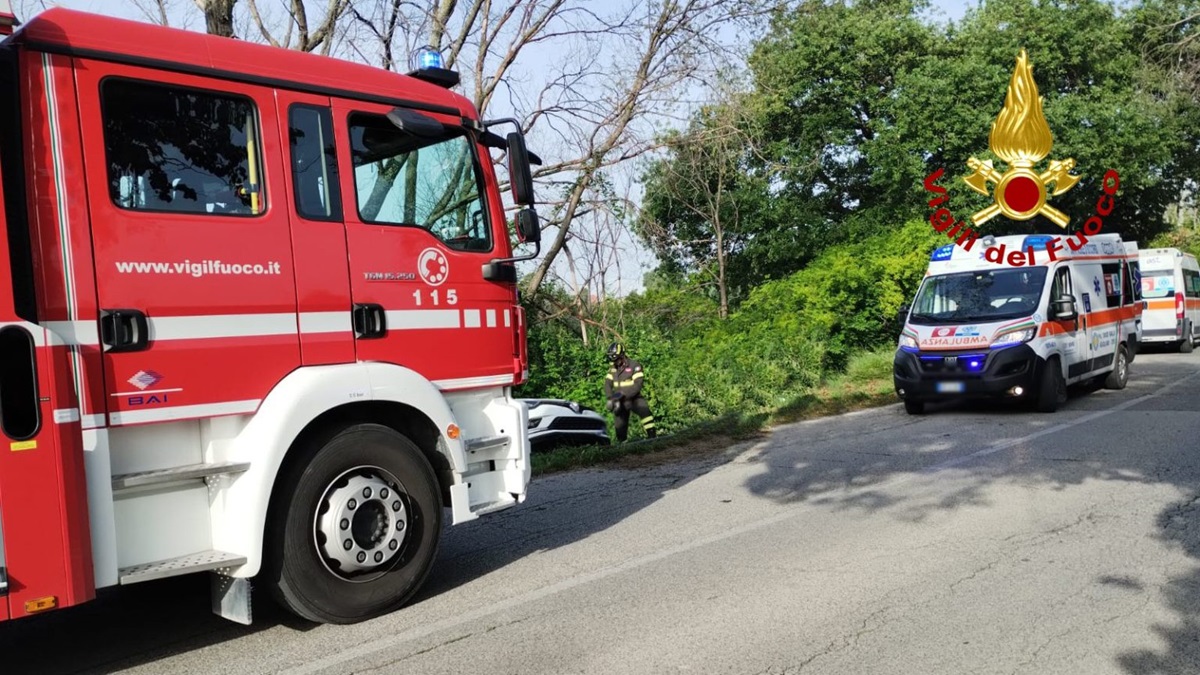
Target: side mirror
<point>902,314</point>
<point>1063,307</point>
<point>529,230</point>
<point>518,170</point>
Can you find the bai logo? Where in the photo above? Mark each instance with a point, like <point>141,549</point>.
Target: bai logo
<point>143,380</point>
<point>1021,138</point>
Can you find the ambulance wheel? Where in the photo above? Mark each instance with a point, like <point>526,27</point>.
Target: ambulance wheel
<point>1185,346</point>
<point>914,407</point>
<point>1120,372</point>
<point>1052,390</point>
<point>354,526</point>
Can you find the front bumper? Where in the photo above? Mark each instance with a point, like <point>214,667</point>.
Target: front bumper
<point>929,376</point>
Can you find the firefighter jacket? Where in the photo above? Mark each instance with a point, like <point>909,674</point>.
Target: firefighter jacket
<point>625,379</point>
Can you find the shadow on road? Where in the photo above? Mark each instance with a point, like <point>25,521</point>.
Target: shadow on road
<point>806,463</point>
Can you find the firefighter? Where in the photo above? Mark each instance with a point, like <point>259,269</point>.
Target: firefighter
<point>623,388</point>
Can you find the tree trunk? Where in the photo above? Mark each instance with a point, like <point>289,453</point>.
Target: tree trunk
<point>721,287</point>
<point>218,16</point>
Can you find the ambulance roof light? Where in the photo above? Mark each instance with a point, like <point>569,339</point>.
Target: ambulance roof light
<point>1036,241</point>
<point>942,253</point>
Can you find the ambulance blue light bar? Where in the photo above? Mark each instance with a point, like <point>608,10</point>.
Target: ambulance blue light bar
<point>1037,242</point>
<point>942,253</point>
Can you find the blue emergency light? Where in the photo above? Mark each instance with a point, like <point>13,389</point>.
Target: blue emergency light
<point>427,57</point>
<point>428,64</point>
<point>943,253</point>
<point>1037,242</point>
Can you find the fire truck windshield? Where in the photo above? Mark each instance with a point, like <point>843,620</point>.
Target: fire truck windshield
<point>431,182</point>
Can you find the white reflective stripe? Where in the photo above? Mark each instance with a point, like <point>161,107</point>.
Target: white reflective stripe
<point>76,332</point>
<point>39,335</point>
<point>325,322</point>
<point>183,412</point>
<point>474,382</point>
<point>491,318</point>
<point>93,421</point>
<point>221,326</point>
<point>507,318</point>
<point>66,415</point>
<point>471,318</point>
<point>416,319</point>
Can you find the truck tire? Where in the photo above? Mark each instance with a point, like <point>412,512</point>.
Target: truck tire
<point>1185,346</point>
<point>1052,388</point>
<point>354,528</point>
<point>914,407</point>
<point>1120,373</point>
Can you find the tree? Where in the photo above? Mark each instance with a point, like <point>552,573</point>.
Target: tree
<point>699,197</point>
<point>861,101</point>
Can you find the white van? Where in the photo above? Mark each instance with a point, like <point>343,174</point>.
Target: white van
<point>1171,287</point>
<point>1021,331</point>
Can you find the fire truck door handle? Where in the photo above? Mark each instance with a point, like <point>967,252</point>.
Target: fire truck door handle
<point>370,321</point>
<point>124,330</point>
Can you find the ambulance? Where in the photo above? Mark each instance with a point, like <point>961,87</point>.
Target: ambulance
<point>259,318</point>
<point>1171,287</point>
<point>1020,323</point>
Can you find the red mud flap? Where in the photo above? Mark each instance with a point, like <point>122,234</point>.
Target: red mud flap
<point>46,546</point>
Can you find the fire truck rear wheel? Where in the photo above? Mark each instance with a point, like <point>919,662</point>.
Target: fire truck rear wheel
<point>355,526</point>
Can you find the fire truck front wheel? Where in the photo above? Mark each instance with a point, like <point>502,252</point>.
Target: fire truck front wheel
<point>355,526</point>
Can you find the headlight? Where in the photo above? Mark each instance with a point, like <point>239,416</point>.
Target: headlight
<point>908,341</point>
<point>1014,338</point>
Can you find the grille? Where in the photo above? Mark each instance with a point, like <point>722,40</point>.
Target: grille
<point>938,364</point>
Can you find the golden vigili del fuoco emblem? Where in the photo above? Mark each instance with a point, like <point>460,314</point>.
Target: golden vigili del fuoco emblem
<point>1021,137</point>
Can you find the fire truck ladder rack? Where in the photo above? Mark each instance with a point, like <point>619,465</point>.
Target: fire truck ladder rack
<point>186,564</point>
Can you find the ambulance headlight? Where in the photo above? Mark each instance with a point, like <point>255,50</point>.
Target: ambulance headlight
<point>908,342</point>
<point>1014,338</point>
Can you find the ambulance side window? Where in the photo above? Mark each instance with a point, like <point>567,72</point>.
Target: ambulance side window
<point>181,150</point>
<point>1112,283</point>
<point>1127,296</point>
<point>1191,283</point>
<point>314,163</point>
<point>1062,284</point>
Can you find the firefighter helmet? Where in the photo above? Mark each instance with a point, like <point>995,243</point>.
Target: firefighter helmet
<point>615,351</point>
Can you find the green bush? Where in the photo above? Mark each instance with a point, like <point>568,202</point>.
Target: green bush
<point>788,336</point>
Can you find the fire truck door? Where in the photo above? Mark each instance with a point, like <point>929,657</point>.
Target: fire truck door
<point>419,230</point>
<point>318,234</point>
<point>192,249</point>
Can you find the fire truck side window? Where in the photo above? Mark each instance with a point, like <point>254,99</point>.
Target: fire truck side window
<point>314,163</point>
<point>181,150</point>
<point>431,183</point>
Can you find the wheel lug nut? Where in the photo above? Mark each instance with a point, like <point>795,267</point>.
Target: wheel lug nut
<point>399,524</point>
<point>361,556</point>
<point>345,523</point>
<point>366,493</point>
<point>351,504</point>
<point>393,544</point>
<point>383,493</point>
<point>347,544</point>
<point>379,556</point>
<point>396,505</point>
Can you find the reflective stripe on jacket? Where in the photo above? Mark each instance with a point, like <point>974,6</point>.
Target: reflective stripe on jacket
<point>626,380</point>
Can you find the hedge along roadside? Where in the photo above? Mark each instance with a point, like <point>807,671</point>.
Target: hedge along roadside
<point>788,337</point>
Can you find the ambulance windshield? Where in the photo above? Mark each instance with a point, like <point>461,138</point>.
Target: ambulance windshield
<point>979,297</point>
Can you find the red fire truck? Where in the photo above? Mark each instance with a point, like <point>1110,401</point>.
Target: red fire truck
<point>258,318</point>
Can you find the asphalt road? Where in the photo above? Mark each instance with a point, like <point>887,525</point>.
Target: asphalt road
<point>970,540</point>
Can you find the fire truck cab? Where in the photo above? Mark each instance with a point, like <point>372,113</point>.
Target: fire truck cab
<point>258,318</point>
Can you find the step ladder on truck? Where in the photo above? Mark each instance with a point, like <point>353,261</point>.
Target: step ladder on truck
<point>257,323</point>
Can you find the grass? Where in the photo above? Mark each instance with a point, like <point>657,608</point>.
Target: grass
<point>866,383</point>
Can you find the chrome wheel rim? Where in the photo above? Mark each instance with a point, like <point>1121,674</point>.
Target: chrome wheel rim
<point>361,523</point>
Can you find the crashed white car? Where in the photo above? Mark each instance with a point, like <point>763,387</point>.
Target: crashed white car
<point>556,423</point>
